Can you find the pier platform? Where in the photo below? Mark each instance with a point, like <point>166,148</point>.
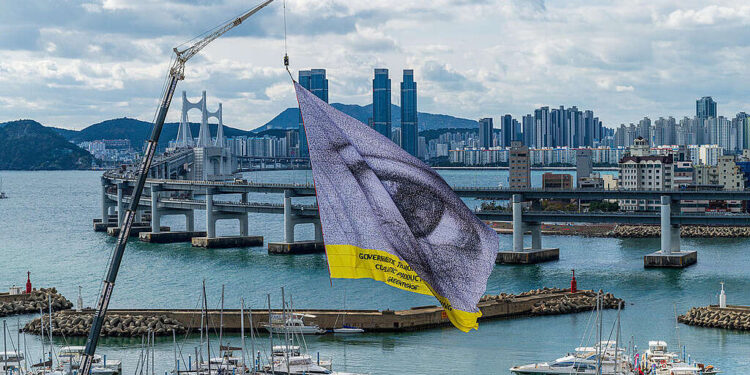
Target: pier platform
<point>675,259</point>
<point>227,242</point>
<point>528,256</point>
<point>135,231</point>
<point>169,237</point>
<point>417,318</point>
<point>296,248</point>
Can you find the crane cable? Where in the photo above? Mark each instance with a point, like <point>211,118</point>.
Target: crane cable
<point>286,54</point>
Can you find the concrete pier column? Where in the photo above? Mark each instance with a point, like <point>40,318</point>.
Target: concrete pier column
<point>675,234</point>
<point>243,198</point>
<point>536,235</point>
<point>210,215</point>
<point>244,225</point>
<point>120,203</point>
<point>190,221</point>
<point>318,231</point>
<point>155,212</point>
<point>288,219</point>
<point>666,230</point>
<point>517,223</point>
<point>105,206</point>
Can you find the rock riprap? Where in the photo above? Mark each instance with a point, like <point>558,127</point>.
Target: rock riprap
<point>713,317</point>
<point>66,324</point>
<point>567,303</point>
<point>32,302</point>
<point>687,231</point>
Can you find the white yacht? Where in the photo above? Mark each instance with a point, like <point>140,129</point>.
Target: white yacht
<point>11,362</point>
<point>70,357</point>
<point>298,363</point>
<point>294,325</point>
<point>660,361</point>
<point>583,361</point>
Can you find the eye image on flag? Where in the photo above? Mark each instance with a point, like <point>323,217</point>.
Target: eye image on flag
<point>388,216</point>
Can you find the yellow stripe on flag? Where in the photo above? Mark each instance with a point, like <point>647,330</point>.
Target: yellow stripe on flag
<point>352,262</point>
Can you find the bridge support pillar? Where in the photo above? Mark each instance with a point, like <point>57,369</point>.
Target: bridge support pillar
<point>190,221</point>
<point>318,231</point>
<point>290,246</point>
<point>517,223</point>
<point>120,203</point>
<point>670,254</point>
<point>105,202</point>
<point>519,254</point>
<point>288,219</point>
<point>155,212</point>
<point>210,216</point>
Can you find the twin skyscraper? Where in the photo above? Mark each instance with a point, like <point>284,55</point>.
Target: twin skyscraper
<point>316,82</point>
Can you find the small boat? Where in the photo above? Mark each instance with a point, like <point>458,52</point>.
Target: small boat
<point>347,330</point>
<point>294,324</point>
<point>299,363</point>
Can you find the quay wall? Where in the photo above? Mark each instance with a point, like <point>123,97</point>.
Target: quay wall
<point>538,302</point>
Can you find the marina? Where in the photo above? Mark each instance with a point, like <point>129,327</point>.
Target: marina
<point>614,265</point>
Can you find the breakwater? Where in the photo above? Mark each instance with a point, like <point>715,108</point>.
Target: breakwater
<point>115,325</point>
<point>686,231</point>
<point>730,317</point>
<point>125,323</point>
<point>31,303</point>
<point>562,302</point>
<point>631,231</point>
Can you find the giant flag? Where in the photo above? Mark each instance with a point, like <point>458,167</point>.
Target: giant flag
<point>388,216</point>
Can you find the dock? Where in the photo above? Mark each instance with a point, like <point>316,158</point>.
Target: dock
<point>504,306</point>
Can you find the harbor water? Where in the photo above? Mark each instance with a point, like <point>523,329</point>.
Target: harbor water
<point>46,228</point>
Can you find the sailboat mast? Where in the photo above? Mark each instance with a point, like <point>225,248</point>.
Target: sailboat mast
<point>599,333</point>
<point>252,337</point>
<point>41,324</point>
<point>286,328</point>
<point>5,347</point>
<point>174,349</point>
<point>51,346</point>
<point>221,320</point>
<point>242,332</point>
<point>270,333</point>
<point>208,335</point>
<point>617,338</point>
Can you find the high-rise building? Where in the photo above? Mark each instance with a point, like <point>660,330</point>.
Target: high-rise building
<point>528,130</point>
<point>381,102</point>
<point>485,133</point>
<point>506,130</point>
<point>409,124</point>
<point>519,163</point>
<point>584,164</point>
<point>705,107</point>
<point>316,82</point>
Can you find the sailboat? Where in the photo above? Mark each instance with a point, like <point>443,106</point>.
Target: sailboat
<point>345,329</point>
<point>604,358</point>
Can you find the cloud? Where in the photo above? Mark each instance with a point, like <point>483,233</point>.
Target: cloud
<point>71,64</point>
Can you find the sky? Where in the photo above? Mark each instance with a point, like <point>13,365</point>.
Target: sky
<point>71,63</point>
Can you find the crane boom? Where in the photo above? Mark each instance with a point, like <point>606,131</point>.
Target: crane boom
<point>176,73</point>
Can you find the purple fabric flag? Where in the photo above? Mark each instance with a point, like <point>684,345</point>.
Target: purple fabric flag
<point>388,216</point>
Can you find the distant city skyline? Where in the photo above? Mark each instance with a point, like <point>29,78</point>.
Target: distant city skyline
<point>71,64</point>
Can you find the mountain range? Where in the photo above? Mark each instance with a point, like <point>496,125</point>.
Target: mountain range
<point>28,145</point>
<point>289,118</point>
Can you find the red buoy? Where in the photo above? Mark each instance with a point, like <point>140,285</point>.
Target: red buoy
<point>28,282</point>
<point>573,284</point>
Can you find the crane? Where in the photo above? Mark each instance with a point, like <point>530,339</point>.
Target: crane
<point>176,74</point>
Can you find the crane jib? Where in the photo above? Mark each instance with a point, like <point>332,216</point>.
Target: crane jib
<point>176,74</point>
